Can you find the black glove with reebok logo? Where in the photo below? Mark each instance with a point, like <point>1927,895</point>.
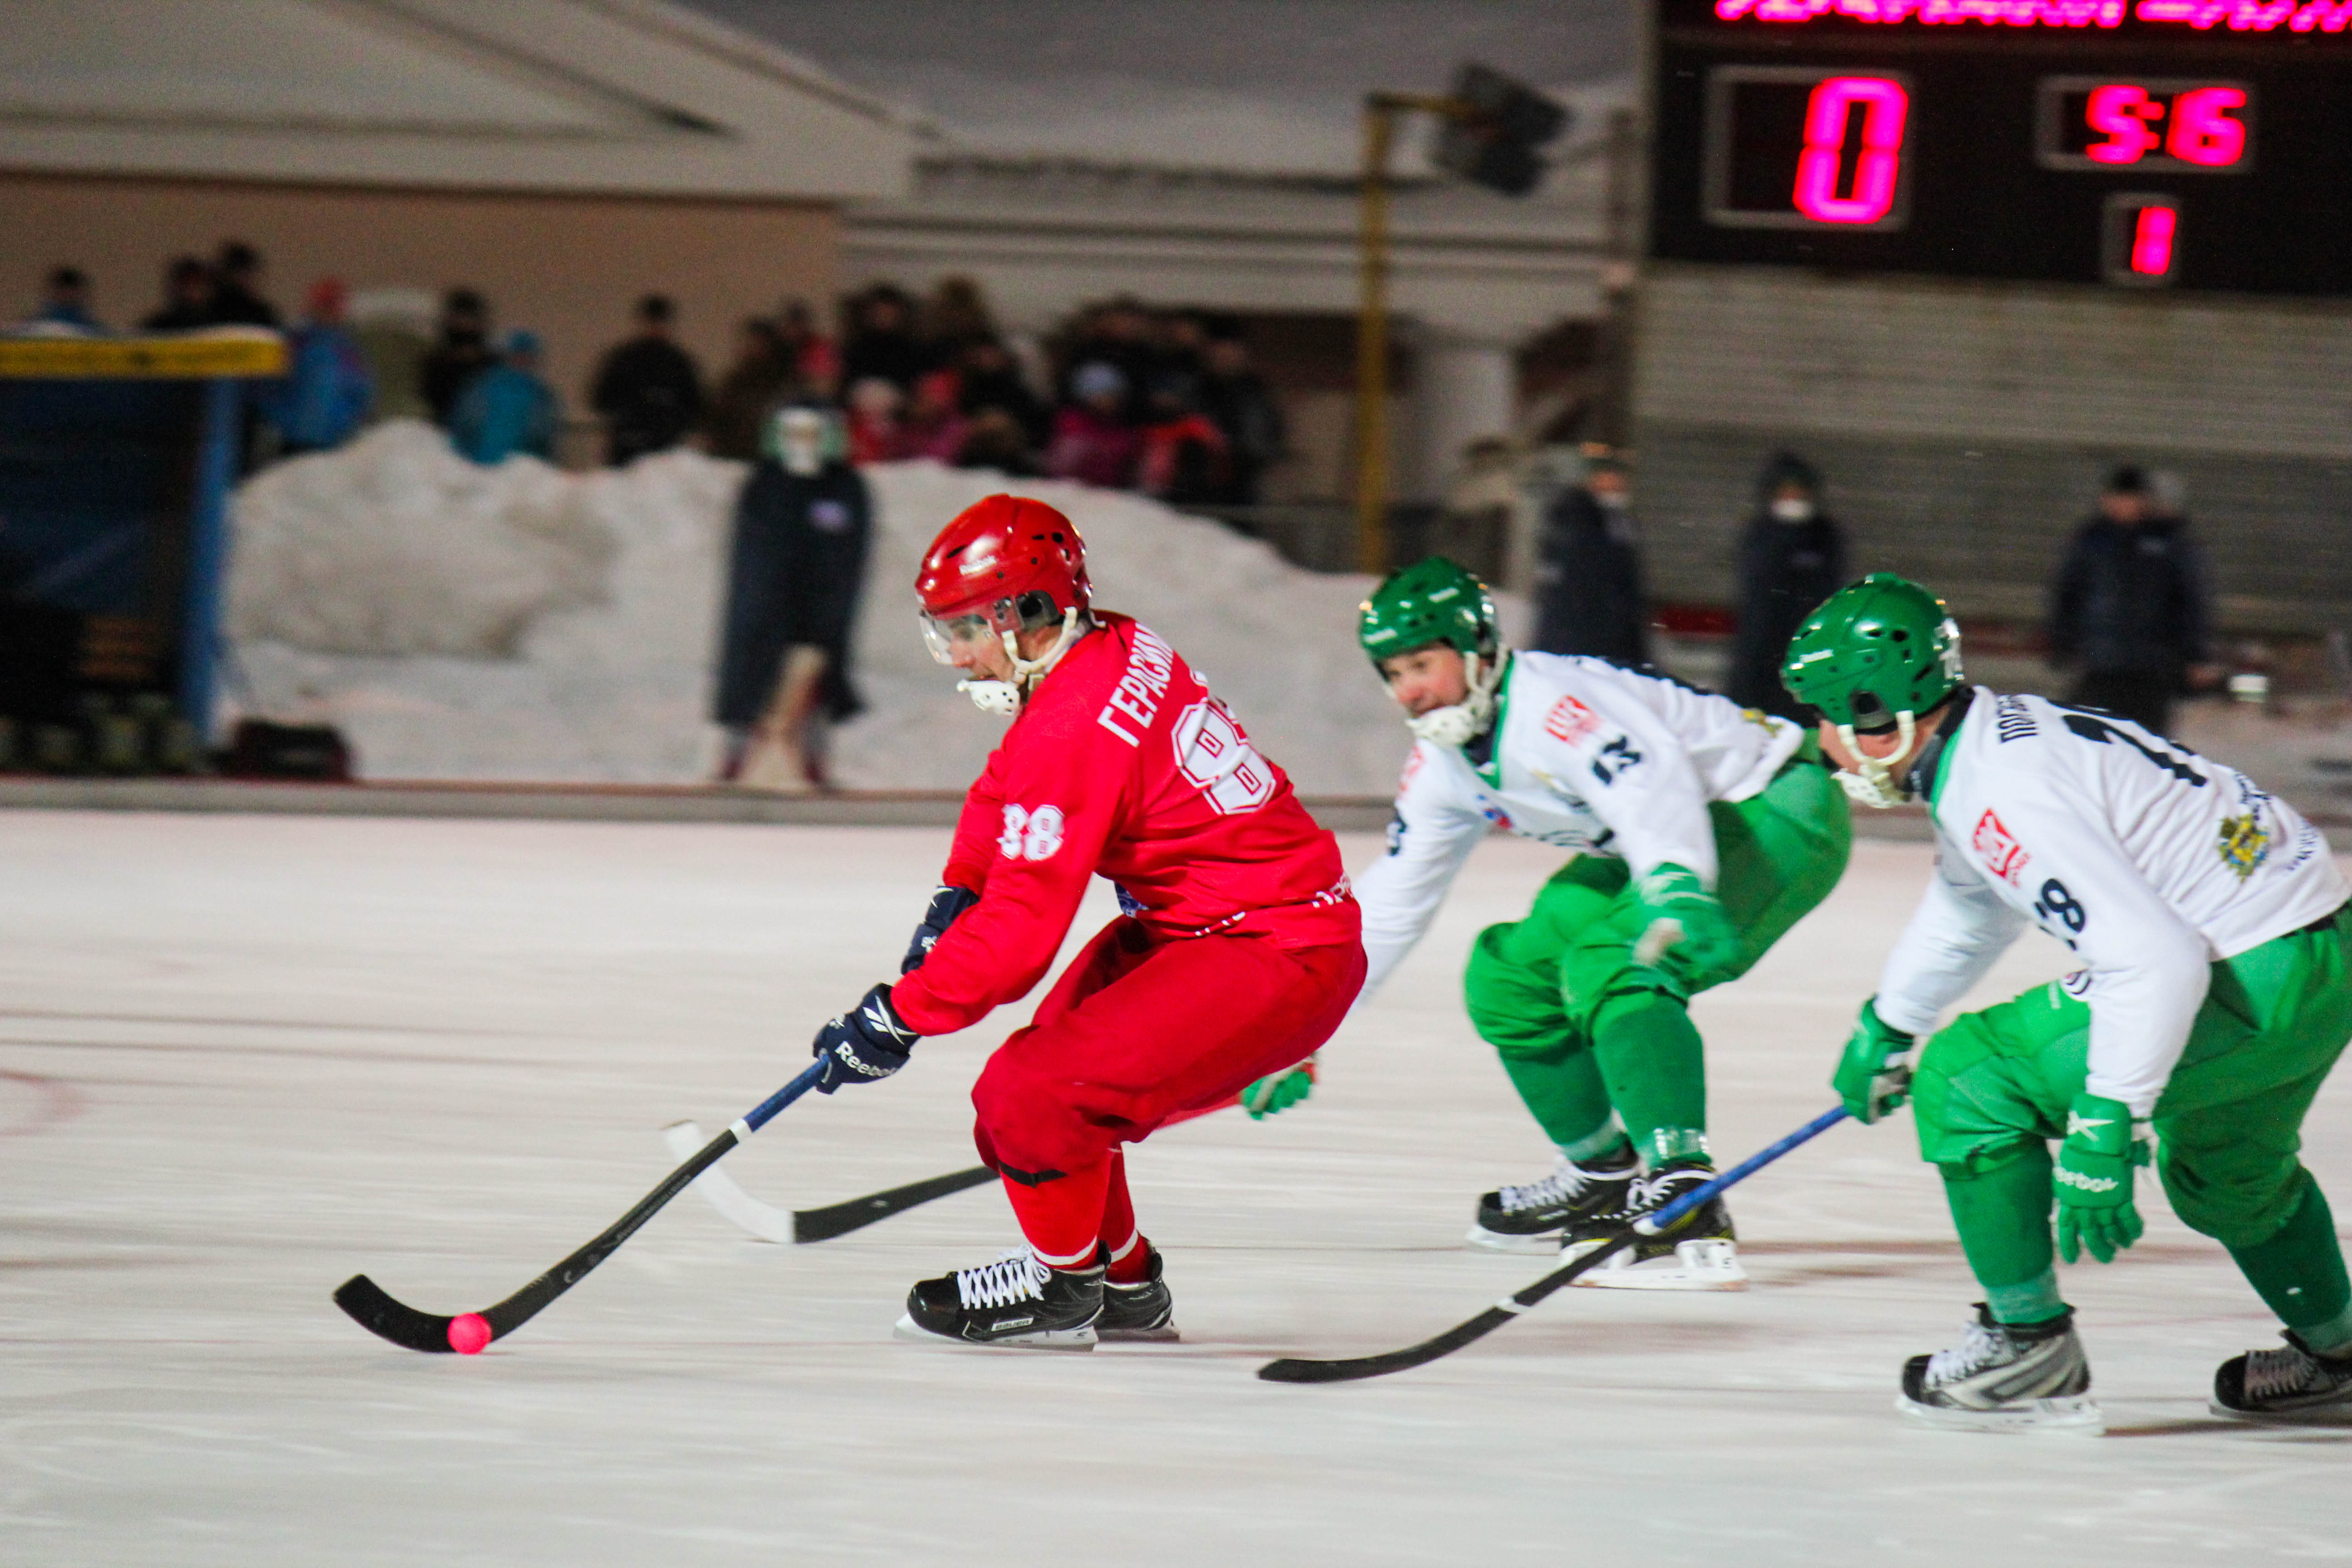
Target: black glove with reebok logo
<point>947,903</point>
<point>865,1043</point>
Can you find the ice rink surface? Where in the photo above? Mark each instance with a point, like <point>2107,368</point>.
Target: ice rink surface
<point>242,1058</point>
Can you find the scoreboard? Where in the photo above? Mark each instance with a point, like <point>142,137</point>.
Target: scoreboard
<point>2144,143</point>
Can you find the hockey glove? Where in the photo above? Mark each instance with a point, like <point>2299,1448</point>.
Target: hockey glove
<point>1277,1093</point>
<point>865,1043</point>
<point>1873,1077</point>
<point>946,904</point>
<point>1684,930</point>
<point>2093,1178</point>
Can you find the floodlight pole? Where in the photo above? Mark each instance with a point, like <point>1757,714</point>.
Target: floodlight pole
<point>1381,112</point>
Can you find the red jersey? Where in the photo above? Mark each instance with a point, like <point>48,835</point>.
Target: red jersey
<point>1121,763</point>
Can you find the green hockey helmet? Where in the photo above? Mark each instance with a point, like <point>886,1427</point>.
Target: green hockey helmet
<point>1875,650</point>
<point>1431,600</point>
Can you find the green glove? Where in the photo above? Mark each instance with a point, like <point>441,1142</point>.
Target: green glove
<point>1684,930</point>
<point>2095,1178</point>
<point>1874,1075</point>
<point>1277,1093</point>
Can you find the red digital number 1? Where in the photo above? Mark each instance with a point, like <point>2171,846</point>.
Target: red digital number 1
<point>1884,107</point>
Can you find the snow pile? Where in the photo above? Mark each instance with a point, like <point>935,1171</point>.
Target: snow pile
<point>518,623</point>
<point>398,545</point>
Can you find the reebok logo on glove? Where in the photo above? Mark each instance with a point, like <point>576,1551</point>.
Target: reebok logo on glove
<point>2088,1184</point>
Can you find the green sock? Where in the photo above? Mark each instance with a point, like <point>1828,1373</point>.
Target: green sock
<point>1650,1056</point>
<point>2299,1273</point>
<point>1563,1090</point>
<point>2003,1218</point>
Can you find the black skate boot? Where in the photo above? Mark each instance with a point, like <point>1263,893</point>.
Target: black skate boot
<point>1142,1310</point>
<point>1531,1218</point>
<point>1016,1300</point>
<point>1700,1253</point>
<point>2005,1377</point>
<point>2295,1383</point>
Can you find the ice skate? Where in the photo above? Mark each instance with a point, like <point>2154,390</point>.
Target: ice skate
<point>1014,1301</point>
<point>1700,1253</point>
<point>2006,1377</point>
<point>1142,1310</point>
<point>1532,1218</point>
<point>2293,1382</point>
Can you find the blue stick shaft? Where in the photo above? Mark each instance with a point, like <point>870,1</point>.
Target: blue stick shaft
<point>766,1111</point>
<point>1746,1168</point>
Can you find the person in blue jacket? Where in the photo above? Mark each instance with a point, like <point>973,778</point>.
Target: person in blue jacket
<point>508,408</point>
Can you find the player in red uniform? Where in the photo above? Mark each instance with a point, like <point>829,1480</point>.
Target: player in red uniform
<point>1236,954</point>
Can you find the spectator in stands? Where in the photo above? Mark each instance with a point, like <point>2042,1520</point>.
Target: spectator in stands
<point>1589,595</point>
<point>1791,557</point>
<point>988,377</point>
<point>648,390</point>
<point>995,439</point>
<point>815,360</point>
<point>794,572</point>
<point>954,317</point>
<point>1117,333</point>
<point>328,388</point>
<point>881,344</point>
<point>1182,459</point>
<point>460,351</point>
<point>187,297</point>
<point>1093,441</point>
<point>762,376</point>
<point>1178,339</point>
<point>65,302</point>
<point>508,408</point>
<point>1238,399</point>
<point>934,426</point>
<point>871,427</point>
<point>2131,613</point>
<point>237,299</point>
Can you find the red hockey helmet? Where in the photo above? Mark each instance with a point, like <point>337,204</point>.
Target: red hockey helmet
<point>1006,563</point>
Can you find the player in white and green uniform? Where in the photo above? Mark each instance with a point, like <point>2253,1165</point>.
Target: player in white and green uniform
<point>1699,832</point>
<point>2216,994</point>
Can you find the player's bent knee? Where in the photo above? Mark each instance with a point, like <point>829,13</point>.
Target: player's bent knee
<point>2238,1202</point>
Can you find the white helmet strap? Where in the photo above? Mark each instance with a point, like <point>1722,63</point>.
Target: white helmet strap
<point>1003,697</point>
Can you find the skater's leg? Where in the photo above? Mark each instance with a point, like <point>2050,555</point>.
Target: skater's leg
<point>1512,990</point>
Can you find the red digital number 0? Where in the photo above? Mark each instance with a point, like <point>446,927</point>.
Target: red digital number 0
<point>2203,130</point>
<point>1884,107</point>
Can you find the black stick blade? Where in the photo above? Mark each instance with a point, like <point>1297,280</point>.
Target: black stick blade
<point>840,1219</point>
<point>1293,1369</point>
<point>368,1306</point>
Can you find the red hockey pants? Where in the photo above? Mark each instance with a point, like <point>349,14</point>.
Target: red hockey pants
<point>1136,1034</point>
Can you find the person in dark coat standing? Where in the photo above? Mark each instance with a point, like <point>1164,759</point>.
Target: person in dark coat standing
<point>2132,612</point>
<point>1791,557</point>
<point>1589,595</point>
<point>795,573</point>
<point>648,390</point>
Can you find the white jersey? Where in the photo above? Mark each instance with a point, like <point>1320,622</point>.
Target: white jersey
<point>1587,755</point>
<point>2149,860</point>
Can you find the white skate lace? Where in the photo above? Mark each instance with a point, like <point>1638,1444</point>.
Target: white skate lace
<point>2280,1374</point>
<point>1565,1184</point>
<point>1978,1348</point>
<point>1015,1277</point>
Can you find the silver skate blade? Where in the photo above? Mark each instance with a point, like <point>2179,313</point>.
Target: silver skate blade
<point>1164,1334</point>
<point>1709,1264</point>
<point>914,1333</point>
<point>2073,1414</point>
<point>2335,1411</point>
<point>1542,1244</point>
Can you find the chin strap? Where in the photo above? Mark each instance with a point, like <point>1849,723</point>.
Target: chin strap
<point>1003,697</point>
<point>1874,782</point>
<point>1468,718</point>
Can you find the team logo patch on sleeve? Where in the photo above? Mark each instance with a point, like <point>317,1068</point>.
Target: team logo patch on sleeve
<point>1570,720</point>
<point>2245,844</point>
<point>1999,849</point>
